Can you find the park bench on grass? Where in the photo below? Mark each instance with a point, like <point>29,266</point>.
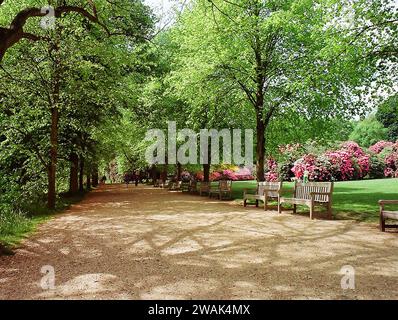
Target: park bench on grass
<point>204,187</point>
<point>164,184</point>
<point>387,214</point>
<point>175,186</point>
<point>265,190</point>
<point>309,194</point>
<point>222,190</point>
<point>185,186</point>
<point>193,186</point>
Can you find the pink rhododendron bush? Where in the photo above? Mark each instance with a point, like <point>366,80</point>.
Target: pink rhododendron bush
<point>342,162</point>
<point>235,174</point>
<point>348,161</point>
<point>271,170</point>
<point>387,152</point>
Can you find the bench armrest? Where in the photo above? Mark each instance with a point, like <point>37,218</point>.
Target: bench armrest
<point>383,202</point>
<point>249,191</point>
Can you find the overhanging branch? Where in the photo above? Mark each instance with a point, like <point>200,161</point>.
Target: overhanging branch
<point>14,33</point>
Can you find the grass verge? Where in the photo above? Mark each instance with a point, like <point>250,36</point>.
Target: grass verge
<point>16,226</point>
<point>355,200</point>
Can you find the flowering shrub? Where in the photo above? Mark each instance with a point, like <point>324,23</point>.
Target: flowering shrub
<point>318,168</point>
<point>347,163</point>
<point>185,176</point>
<point>271,170</point>
<point>388,151</point>
<point>244,174</point>
<point>228,174</point>
<point>391,162</point>
<point>215,176</point>
<point>380,146</point>
<point>199,176</point>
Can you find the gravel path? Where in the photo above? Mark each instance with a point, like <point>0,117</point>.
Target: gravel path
<point>147,243</point>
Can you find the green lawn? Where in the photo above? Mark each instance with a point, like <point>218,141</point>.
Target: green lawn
<point>351,199</point>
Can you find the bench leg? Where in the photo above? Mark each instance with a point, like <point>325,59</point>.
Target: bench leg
<point>330,213</point>
<point>295,208</point>
<point>244,202</point>
<point>382,223</point>
<point>312,211</point>
<point>279,206</point>
<point>256,203</point>
<point>265,203</point>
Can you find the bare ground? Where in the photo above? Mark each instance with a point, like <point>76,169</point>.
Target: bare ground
<point>146,243</point>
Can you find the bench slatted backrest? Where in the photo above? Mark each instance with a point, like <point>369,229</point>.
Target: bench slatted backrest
<point>225,185</point>
<point>303,190</point>
<point>274,186</point>
<point>204,185</point>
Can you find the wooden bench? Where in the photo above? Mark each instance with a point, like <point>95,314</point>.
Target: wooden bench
<point>204,187</point>
<point>309,194</point>
<point>387,214</point>
<point>222,190</point>
<point>265,190</point>
<point>193,186</point>
<point>185,186</point>
<point>175,186</point>
<point>157,183</point>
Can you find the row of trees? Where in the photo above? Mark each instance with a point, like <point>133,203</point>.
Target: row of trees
<point>77,96</point>
<point>59,92</point>
<point>291,70</point>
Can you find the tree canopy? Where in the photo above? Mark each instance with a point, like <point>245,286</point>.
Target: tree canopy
<point>80,96</point>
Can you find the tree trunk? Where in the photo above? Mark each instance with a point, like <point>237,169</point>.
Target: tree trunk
<point>88,181</point>
<point>153,174</point>
<point>260,149</point>
<point>164,172</point>
<point>52,168</point>
<point>206,172</point>
<point>81,175</point>
<point>51,196</point>
<point>74,173</point>
<point>95,177</point>
<point>206,167</point>
<point>179,170</point>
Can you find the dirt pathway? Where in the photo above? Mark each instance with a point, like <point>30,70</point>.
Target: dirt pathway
<point>147,243</point>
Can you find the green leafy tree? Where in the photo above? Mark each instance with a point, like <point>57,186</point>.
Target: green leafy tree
<point>387,114</point>
<point>275,58</point>
<point>368,131</point>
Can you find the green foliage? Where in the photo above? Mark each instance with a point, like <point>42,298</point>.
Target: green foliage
<point>368,131</point>
<point>377,166</point>
<point>387,114</point>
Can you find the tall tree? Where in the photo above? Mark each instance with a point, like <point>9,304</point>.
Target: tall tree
<point>279,55</point>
